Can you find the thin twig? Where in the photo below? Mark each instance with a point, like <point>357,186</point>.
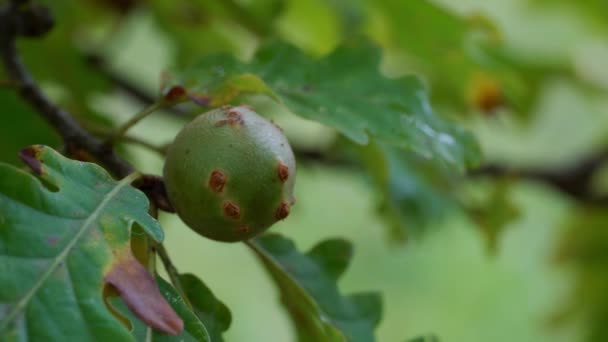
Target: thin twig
<point>122,130</point>
<point>159,149</point>
<point>172,272</point>
<point>105,133</point>
<point>98,64</point>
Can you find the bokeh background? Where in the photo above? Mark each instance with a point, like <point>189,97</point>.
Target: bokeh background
<point>453,277</point>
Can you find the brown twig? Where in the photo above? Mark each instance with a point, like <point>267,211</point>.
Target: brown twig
<point>574,181</point>
<point>19,18</point>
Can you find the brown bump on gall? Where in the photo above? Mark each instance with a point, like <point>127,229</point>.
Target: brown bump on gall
<point>221,123</point>
<point>282,211</point>
<point>293,200</point>
<point>234,117</point>
<point>283,172</point>
<point>217,180</point>
<point>232,210</point>
<point>243,229</point>
<point>246,106</point>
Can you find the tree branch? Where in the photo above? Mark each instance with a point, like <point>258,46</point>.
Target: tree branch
<point>574,181</point>
<point>12,22</point>
<point>20,18</point>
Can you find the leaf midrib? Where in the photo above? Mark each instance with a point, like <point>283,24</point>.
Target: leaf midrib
<point>60,258</point>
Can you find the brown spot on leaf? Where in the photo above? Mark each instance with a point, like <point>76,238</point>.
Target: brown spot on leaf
<point>139,291</point>
<point>282,211</point>
<point>217,180</point>
<point>52,240</point>
<point>31,156</point>
<point>282,171</point>
<point>232,210</point>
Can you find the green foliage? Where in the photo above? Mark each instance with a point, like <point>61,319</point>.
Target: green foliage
<point>213,313</point>
<point>493,211</point>
<point>429,338</point>
<point>309,291</point>
<point>449,50</point>
<point>64,49</point>
<point>412,190</point>
<point>346,91</point>
<point>24,127</point>
<point>584,249</point>
<point>398,80</point>
<point>64,232</point>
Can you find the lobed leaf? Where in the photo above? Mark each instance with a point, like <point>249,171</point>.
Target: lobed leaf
<point>413,193</point>
<point>212,312</point>
<point>64,237</point>
<point>344,90</point>
<point>307,283</point>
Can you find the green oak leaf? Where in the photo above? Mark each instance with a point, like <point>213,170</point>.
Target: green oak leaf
<point>413,193</point>
<point>425,338</point>
<point>455,53</point>
<point>344,90</point>
<point>583,251</point>
<point>493,210</point>
<point>307,283</point>
<point>64,241</point>
<point>211,311</point>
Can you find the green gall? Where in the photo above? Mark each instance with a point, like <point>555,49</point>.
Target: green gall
<point>230,174</point>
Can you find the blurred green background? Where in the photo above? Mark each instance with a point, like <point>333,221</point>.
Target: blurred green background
<point>445,281</point>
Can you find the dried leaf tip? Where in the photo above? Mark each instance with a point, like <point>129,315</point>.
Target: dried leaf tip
<point>31,156</point>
